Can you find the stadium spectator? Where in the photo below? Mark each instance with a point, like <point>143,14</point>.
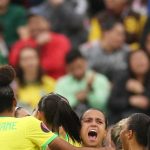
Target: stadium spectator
<point>93,128</point>
<point>82,87</point>
<point>32,83</point>
<point>52,46</point>
<point>131,92</point>
<point>63,19</point>
<point>11,18</point>
<point>135,134</point>
<point>109,55</point>
<point>122,11</point>
<point>57,120</point>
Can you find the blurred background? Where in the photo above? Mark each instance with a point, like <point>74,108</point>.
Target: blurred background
<point>96,53</point>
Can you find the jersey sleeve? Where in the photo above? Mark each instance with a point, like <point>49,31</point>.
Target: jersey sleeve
<point>39,134</point>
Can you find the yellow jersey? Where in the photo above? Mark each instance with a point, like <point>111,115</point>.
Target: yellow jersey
<point>26,133</point>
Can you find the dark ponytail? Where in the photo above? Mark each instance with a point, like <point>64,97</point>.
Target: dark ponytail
<point>140,124</point>
<point>58,113</point>
<point>7,75</point>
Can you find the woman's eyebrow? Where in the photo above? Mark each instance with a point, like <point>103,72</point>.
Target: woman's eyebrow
<point>87,118</point>
<point>99,119</point>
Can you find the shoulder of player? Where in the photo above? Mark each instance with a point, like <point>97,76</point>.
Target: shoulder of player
<point>28,119</point>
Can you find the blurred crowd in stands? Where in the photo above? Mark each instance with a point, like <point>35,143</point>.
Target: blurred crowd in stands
<point>96,53</point>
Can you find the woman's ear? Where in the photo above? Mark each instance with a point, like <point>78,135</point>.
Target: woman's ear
<point>130,134</point>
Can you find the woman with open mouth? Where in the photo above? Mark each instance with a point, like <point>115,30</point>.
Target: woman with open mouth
<point>93,128</point>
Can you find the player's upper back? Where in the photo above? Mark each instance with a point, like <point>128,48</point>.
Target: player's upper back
<point>25,133</point>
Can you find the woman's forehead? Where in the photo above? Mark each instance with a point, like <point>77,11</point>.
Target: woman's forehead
<point>93,114</point>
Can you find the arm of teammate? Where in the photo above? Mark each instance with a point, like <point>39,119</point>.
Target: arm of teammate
<point>59,144</point>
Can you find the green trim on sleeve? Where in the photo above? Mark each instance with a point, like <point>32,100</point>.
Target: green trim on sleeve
<point>44,146</point>
<point>67,137</point>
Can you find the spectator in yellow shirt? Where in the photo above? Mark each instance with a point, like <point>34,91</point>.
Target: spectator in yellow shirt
<point>120,10</point>
<point>32,84</point>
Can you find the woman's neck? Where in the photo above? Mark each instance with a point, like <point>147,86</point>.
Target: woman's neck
<point>97,146</point>
<point>30,77</point>
<point>135,146</point>
<point>7,114</point>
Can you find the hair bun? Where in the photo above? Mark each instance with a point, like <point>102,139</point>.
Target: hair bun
<point>7,75</point>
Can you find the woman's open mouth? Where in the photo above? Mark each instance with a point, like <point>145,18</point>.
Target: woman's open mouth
<point>92,134</point>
